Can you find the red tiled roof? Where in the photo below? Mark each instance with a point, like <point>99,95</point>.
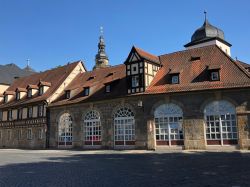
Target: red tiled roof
<point>21,89</point>
<point>194,74</point>
<point>44,83</point>
<point>7,92</point>
<point>147,55</point>
<point>32,86</point>
<point>54,76</point>
<point>114,75</point>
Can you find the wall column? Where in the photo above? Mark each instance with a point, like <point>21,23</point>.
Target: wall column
<point>243,130</point>
<point>151,143</point>
<point>194,134</point>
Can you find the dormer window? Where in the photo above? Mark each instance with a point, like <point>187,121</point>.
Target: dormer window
<point>41,90</point>
<point>86,91</point>
<point>29,95</point>
<point>107,88</point>
<point>6,98</point>
<point>215,76</point>
<point>17,96</point>
<point>91,77</point>
<point>175,79</point>
<point>67,94</point>
<point>135,81</point>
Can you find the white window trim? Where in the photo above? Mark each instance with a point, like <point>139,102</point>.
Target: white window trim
<point>175,79</point>
<point>215,75</point>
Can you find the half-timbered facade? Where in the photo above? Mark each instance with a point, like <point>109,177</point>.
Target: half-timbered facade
<point>23,111</point>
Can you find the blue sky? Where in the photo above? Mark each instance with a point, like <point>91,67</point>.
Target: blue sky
<point>54,32</point>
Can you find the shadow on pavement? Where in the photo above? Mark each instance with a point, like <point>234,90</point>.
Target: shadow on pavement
<point>161,169</point>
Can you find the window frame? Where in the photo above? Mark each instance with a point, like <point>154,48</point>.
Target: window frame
<point>108,88</point>
<point>18,96</point>
<point>40,110</point>
<point>215,72</point>
<point>173,78</point>
<point>1,115</point>
<point>67,94</point>
<point>40,134</point>
<point>86,91</point>
<point>135,81</point>
<point>29,93</point>
<point>9,115</point>
<point>41,90</point>
<point>30,112</point>
<point>5,98</point>
<point>29,134</point>
<point>19,113</point>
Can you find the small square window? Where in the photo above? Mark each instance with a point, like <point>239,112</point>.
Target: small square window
<point>107,88</point>
<point>175,79</point>
<point>215,76</point>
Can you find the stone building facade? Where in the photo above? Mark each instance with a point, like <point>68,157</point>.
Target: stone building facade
<point>198,98</point>
<point>23,108</point>
<point>193,120</point>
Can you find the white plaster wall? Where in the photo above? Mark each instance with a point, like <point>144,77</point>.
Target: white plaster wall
<point>78,69</point>
<point>221,45</point>
<point>3,88</point>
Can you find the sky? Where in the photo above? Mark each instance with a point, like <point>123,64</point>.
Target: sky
<point>54,32</point>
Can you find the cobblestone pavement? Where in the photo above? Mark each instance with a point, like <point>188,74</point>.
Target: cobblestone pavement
<point>123,168</point>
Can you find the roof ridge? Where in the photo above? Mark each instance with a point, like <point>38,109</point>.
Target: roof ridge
<point>235,62</point>
<point>185,50</point>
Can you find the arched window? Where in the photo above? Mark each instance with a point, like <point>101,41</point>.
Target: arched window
<point>92,128</point>
<point>124,127</point>
<point>168,125</point>
<point>220,119</point>
<point>65,130</point>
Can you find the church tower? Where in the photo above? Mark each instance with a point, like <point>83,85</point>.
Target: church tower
<point>101,58</point>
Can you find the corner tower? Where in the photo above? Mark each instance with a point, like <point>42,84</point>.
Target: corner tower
<point>208,34</point>
<point>101,58</point>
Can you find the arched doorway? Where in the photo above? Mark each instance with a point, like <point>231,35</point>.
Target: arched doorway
<point>65,130</point>
<point>92,128</point>
<point>220,123</point>
<point>168,125</point>
<point>124,127</point>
